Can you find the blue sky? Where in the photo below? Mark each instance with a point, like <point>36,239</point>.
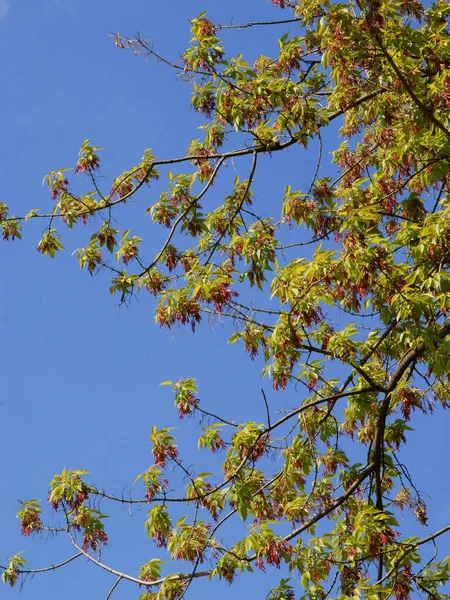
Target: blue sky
<point>79,375</point>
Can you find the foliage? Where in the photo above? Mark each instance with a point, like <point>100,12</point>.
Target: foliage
<point>354,313</point>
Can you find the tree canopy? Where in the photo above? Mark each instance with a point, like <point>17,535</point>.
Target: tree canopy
<point>352,315</point>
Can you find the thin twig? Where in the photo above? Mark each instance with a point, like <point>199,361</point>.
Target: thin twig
<point>118,580</point>
<point>257,24</point>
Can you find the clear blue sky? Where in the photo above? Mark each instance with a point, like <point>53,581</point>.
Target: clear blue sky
<point>79,384</point>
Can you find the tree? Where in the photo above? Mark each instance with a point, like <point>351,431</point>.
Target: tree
<point>352,315</point>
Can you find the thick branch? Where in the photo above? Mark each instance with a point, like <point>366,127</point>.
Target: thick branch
<point>410,357</point>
